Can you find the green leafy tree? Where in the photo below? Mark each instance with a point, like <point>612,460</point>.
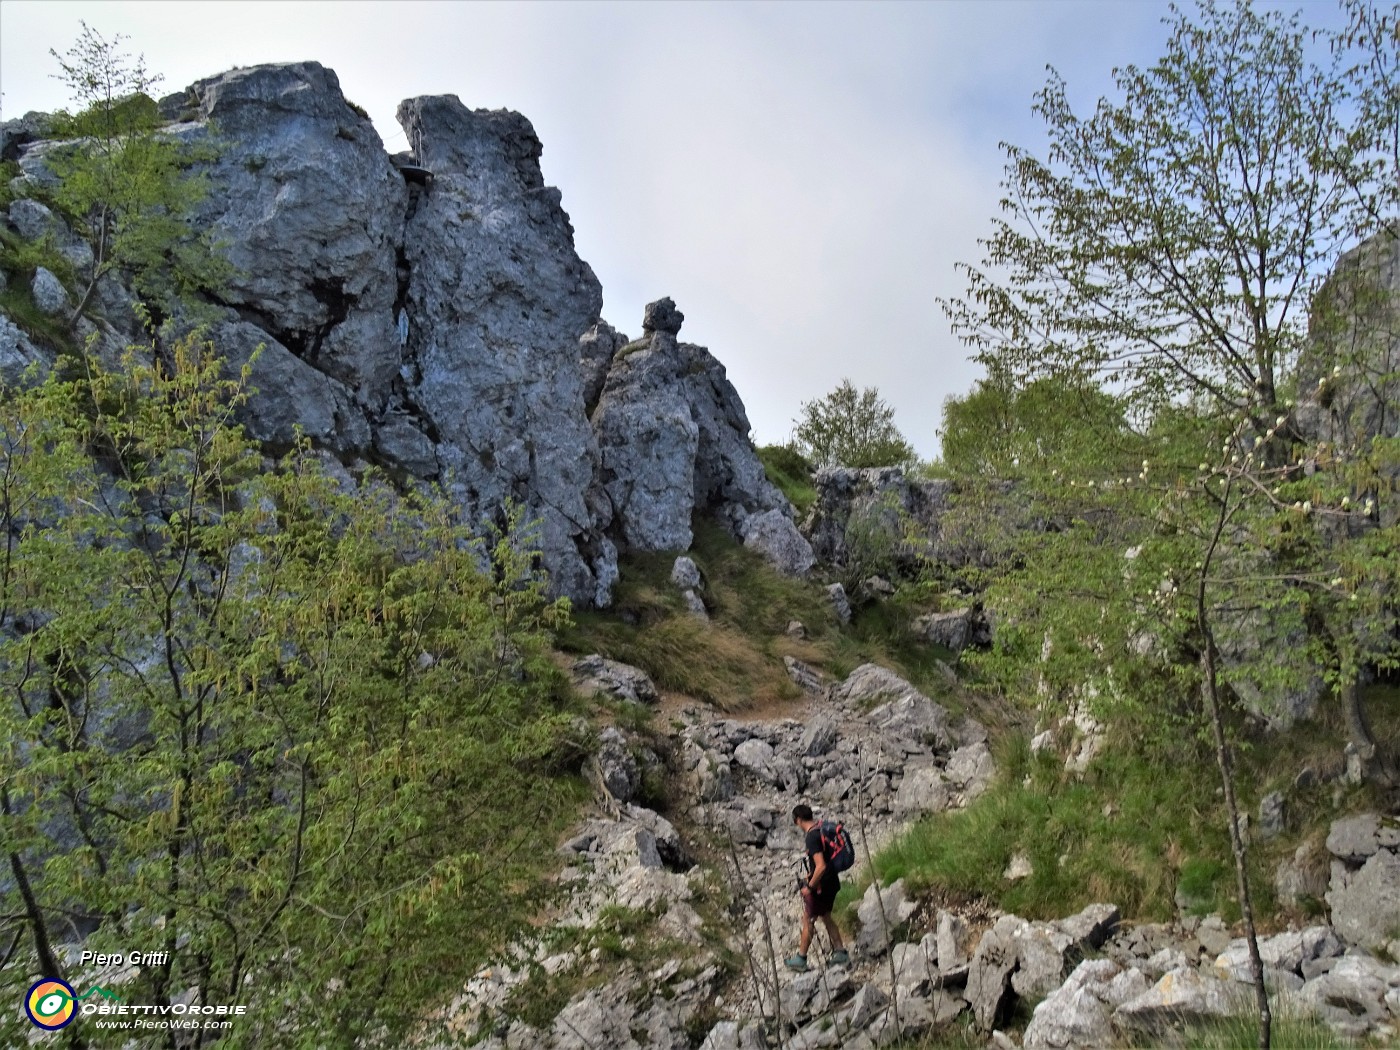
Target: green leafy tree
<point>1171,246</point>
<point>302,740</point>
<point>851,428</point>
<point>128,184</point>
<point>1001,430</point>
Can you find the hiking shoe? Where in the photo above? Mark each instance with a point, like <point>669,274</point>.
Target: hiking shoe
<point>840,957</point>
<point>797,962</point>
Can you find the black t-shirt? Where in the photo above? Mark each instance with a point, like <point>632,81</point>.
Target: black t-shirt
<point>813,844</point>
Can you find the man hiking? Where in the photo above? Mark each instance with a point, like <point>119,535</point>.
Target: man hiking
<point>818,888</point>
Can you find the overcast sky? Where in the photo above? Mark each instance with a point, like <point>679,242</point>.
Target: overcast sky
<point>800,177</point>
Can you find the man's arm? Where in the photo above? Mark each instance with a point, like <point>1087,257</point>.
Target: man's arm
<point>818,870</point>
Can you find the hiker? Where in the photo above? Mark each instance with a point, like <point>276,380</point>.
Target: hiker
<point>818,888</point>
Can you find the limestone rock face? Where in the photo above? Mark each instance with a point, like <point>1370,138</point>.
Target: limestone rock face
<point>1350,374</point>
<point>496,300</point>
<point>673,440</point>
<point>443,329</point>
<point>312,213</point>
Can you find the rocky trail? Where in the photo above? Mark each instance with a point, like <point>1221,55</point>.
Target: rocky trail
<point>674,931</point>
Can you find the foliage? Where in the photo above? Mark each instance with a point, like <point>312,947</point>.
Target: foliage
<point>789,470</point>
<point>250,715</point>
<point>1172,247</point>
<point>127,183</point>
<point>850,428</point>
<point>1001,430</point>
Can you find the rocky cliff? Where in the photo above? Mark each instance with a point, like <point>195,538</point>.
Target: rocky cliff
<point>427,313</point>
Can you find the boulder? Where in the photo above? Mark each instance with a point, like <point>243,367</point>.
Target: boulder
<point>806,678</point>
<point>881,917</point>
<point>1078,1014</point>
<point>840,604</point>
<point>1351,996</point>
<point>617,768</point>
<point>1045,956</point>
<point>952,937</point>
<point>49,294</point>
<point>732,1035</point>
<point>1366,905</point>
<point>924,789</point>
<point>759,758</point>
<point>31,219</point>
<point>18,354</point>
<point>989,975</point>
<point>773,535</point>
<point>971,769</point>
<point>1285,952</point>
<point>915,965</point>
<point>685,574</point>
<point>868,1002</point>
<point>1272,815</point>
<point>662,316</point>
<point>818,737</point>
<point>1180,998</point>
<point>1091,927</point>
<point>1300,878</point>
<point>1355,839</point>
<point>596,675</point>
<point>813,993</point>
<point>950,630</point>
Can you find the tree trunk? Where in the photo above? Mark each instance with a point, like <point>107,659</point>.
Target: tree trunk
<point>1224,759</point>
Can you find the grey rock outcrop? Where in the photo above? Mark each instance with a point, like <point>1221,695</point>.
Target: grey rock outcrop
<point>882,911</point>
<point>673,440</point>
<point>951,630</point>
<point>443,329</point>
<point>1354,840</point>
<point>497,299</point>
<point>989,979</point>
<point>1350,372</point>
<point>20,132</point>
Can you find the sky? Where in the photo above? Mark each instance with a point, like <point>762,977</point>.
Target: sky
<point>802,178</point>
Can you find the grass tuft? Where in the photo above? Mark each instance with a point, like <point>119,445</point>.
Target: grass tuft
<point>735,660</point>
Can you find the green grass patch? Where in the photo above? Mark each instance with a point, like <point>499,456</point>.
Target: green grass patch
<point>1123,833</point>
<point>1230,1033</point>
<point>789,470</point>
